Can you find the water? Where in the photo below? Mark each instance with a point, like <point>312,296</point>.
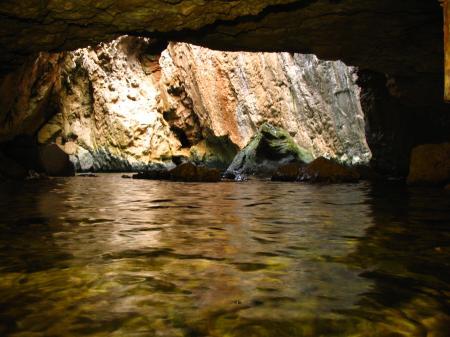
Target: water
<point>113,257</point>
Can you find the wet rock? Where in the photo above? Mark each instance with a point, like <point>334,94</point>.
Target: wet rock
<point>430,165</point>
<point>328,171</point>
<point>87,175</point>
<point>269,149</point>
<point>126,176</point>
<point>189,172</point>
<point>55,161</point>
<point>184,172</point>
<point>288,172</point>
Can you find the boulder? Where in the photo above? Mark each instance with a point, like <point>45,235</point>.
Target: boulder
<point>189,172</point>
<point>288,172</point>
<point>328,171</point>
<point>55,161</point>
<point>270,148</point>
<point>430,165</point>
<point>184,172</point>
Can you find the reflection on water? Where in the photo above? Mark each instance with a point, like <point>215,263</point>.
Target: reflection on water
<point>115,257</point>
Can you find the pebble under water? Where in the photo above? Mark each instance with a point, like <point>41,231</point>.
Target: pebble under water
<point>108,256</point>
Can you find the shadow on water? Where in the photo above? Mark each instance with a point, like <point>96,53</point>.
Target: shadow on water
<point>113,257</point>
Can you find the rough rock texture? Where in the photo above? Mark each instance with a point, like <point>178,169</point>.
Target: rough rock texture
<point>268,149</point>
<point>326,28</point>
<point>233,93</point>
<point>430,165</point>
<point>108,108</point>
<point>119,106</point>
<point>400,38</point>
<point>31,26</point>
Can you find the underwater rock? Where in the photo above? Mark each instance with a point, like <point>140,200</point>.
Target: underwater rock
<point>55,161</point>
<point>430,165</point>
<point>270,148</point>
<point>328,171</point>
<point>288,172</point>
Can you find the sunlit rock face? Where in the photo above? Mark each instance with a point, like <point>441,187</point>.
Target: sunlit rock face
<point>108,108</point>
<point>122,106</point>
<point>233,93</point>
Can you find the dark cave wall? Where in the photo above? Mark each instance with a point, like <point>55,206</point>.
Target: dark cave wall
<point>394,128</point>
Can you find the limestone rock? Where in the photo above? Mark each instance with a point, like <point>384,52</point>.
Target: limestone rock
<point>328,171</point>
<point>108,107</point>
<point>430,165</point>
<point>190,101</point>
<point>270,148</point>
<point>56,162</point>
<point>233,93</point>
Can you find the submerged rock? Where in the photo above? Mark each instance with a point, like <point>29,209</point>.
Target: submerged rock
<point>430,165</point>
<point>328,171</point>
<point>55,161</point>
<point>269,149</point>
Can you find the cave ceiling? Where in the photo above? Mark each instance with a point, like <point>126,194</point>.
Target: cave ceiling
<point>399,38</point>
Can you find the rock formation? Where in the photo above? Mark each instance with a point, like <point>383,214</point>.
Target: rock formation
<point>122,106</point>
<point>430,165</point>
<point>233,93</point>
<point>108,107</point>
<point>269,148</point>
<point>398,40</point>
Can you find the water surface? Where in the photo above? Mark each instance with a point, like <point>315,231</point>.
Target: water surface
<point>108,256</point>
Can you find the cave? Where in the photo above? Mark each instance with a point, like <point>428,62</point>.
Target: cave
<point>225,168</point>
